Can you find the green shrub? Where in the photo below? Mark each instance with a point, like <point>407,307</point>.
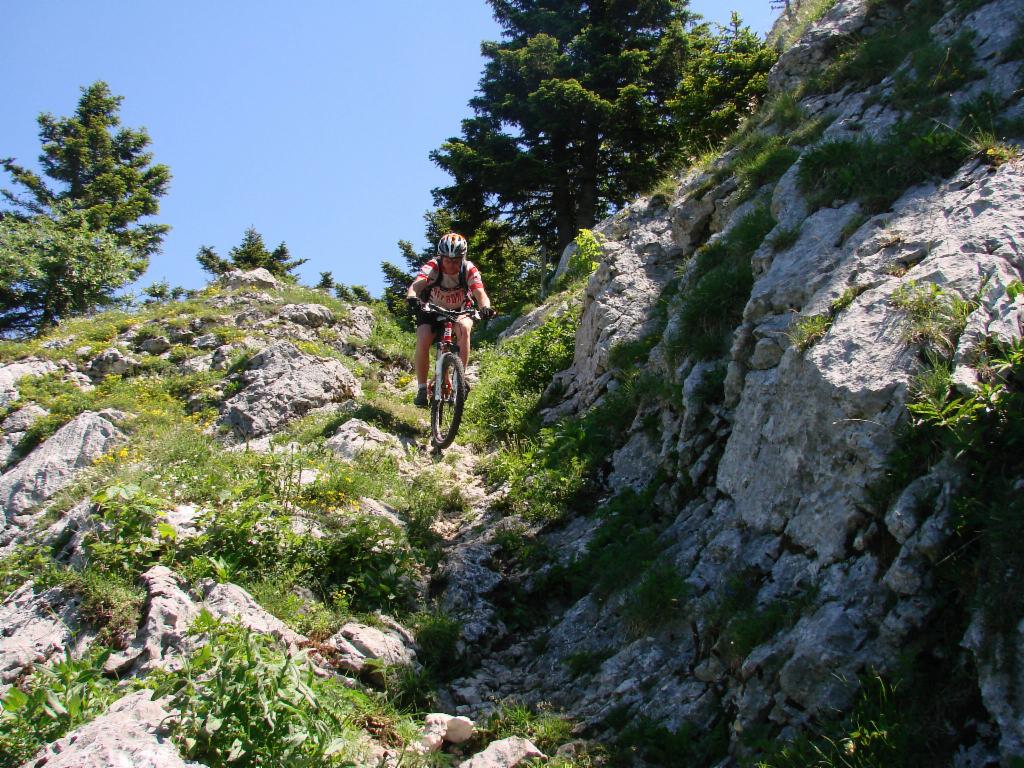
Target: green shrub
<point>130,538</point>
<point>587,662</point>
<point>244,703</point>
<point>514,375</point>
<point>583,261</point>
<point>873,735</point>
<point>937,71</point>
<point>784,238</point>
<point>657,745</point>
<point>877,172</point>
<point>766,166</point>
<point>51,701</point>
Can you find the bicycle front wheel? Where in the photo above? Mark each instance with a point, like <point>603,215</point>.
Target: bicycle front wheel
<point>449,400</point>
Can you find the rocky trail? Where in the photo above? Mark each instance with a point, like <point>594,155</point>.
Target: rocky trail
<point>792,407</point>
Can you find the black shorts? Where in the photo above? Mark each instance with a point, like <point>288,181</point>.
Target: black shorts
<point>431,319</point>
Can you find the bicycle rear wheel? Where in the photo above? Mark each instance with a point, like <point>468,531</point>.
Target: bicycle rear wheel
<point>449,400</point>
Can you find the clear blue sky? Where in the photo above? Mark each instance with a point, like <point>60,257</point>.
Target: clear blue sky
<point>310,120</point>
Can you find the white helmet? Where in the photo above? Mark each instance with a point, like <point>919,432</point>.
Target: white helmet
<point>452,245</point>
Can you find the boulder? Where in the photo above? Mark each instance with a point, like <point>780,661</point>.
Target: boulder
<point>356,436</point>
<point>111,362</point>
<point>254,278</point>
<point>309,315</point>
<point>282,383</point>
<point>373,643</point>
<point>13,431</point>
<point>54,464</point>
<point>155,346</point>
<point>358,322</point>
<point>12,372</point>
<point>505,753</point>
<point>35,627</point>
<point>132,732</point>
<point>229,602</point>
<point>162,638</point>
<point>440,728</point>
<point>23,418</point>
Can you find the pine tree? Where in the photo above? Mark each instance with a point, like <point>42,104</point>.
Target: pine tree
<point>101,169</point>
<point>252,253</point>
<point>211,262</point>
<point>55,265</point>
<point>578,110</point>
<point>326,282</point>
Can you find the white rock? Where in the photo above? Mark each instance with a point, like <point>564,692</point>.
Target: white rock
<point>12,372</point>
<point>133,732</point>
<point>309,315</point>
<point>374,643</point>
<point>35,627</point>
<point>282,383</point>
<point>54,464</point>
<point>505,753</point>
<point>255,278</point>
<point>356,436</point>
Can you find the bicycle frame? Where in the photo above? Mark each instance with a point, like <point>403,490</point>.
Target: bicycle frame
<point>446,391</point>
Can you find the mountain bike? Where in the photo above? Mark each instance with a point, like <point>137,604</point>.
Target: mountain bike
<point>446,392</point>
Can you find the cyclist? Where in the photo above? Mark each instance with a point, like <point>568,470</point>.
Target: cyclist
<point>451,281</point>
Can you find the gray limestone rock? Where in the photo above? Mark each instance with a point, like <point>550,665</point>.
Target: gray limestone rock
<point>111,362</point>
<point>229,602</point>
<point>132,732</point>
<point>373,643</point>
<point>12,372</point>
<point>282,383</point>
<point>155,345</point>
<point>356,436</point>
<point>255,278</point>
<point>506,753</point>
<point>54,464</point>
<point>309,315</point>
<point>34,628</point>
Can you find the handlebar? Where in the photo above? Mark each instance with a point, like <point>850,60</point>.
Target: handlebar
<point>451,314</point>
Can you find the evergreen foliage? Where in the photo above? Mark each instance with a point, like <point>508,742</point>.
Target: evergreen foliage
<point>251,253</point>
<point>66,248</point>
<point>55,265</point>
<point>103,170</point>
<point>582,107</point>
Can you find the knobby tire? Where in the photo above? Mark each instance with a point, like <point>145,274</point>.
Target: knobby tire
<point>446,408</point>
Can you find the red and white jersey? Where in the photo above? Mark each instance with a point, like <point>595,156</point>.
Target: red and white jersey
<point>449,293</point>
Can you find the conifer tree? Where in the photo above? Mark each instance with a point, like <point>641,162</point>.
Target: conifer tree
<point>252,253</point>
<point>211,262</point>
<point>326,282</point>
<point>578,110</point>
<point>71,237</point>
<point>101,169</point>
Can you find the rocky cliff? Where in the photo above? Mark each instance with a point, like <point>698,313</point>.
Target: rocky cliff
<point>768,454</point>
<point>803,528</point>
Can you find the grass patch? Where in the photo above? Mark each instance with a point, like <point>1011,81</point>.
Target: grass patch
<point>719,289</point>
<point>877,172</point>
<point>657,745</point>
<point>584,663</point>
<point>656,601</point>
<point>785,238</point>
<point>807,331</point>
<point>936,317</point>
